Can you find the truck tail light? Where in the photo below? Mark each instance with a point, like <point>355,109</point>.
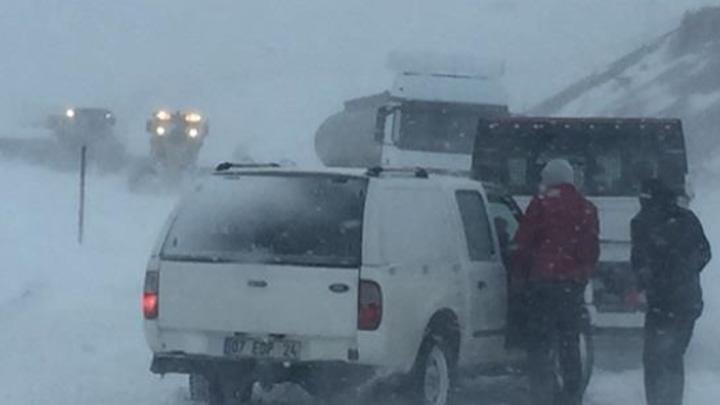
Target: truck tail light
<point>151,299</point>
<point>635,300</point>
<point>370,307</point>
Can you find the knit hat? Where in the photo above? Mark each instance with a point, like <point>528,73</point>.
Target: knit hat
<point>556,172</point>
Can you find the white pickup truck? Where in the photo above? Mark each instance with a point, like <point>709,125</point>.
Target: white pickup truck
<point>329,279</point>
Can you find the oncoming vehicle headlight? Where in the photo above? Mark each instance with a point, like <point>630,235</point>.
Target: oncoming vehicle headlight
<point>193,132</point>
<point>162,115</point>
<point>193,117</point>
<point>70,113</point>
<point>160,131</point>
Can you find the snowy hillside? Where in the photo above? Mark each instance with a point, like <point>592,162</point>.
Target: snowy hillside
<point>674,76</point>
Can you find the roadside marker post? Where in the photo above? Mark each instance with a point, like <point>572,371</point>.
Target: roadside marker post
<point>81,203</point>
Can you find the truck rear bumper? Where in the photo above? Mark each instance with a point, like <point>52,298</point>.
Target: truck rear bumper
<point>260,370</point>
<point>179,363</point>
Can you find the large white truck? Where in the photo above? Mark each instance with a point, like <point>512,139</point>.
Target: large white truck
<point>611,157</point>
<point>427,118</point>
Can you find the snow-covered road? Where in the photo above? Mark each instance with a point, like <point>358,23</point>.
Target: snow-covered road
<point>70,321</point>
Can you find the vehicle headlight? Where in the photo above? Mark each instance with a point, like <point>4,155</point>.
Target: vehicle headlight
<point>193,132</point>
<point>160,131</point>
<point>162,115</point>
<point>108,116</point>
<point>193,117</point>
<point>70,113</point>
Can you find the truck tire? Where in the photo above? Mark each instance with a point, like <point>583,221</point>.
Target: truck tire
<point>434,375</point>
<point>228,392</point>
<point>587,357</point>
<point>199,387</point>
<point>587,351</point>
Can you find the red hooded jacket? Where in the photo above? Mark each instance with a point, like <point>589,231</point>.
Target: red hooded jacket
<point>558,238</point>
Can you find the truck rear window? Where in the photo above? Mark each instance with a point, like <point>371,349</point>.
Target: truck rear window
<point>284,219</point>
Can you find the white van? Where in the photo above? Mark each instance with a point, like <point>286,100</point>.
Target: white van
<point>329,279</point>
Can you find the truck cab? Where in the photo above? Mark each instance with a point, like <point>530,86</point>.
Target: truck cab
<point>428,118</point>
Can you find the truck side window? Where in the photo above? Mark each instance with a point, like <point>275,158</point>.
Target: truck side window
<point>500,209</point>
<point>476,224</point>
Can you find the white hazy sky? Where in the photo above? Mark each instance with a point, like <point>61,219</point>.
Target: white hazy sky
<point>267,72</point>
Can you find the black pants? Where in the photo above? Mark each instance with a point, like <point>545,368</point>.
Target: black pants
<point>554,321</point>
<point>666,339</point>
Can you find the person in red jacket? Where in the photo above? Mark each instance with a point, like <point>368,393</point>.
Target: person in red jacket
<point>557,248</point>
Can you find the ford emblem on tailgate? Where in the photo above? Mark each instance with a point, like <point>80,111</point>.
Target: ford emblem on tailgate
<point>339,288</point>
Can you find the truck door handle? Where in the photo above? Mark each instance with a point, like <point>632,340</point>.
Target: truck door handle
<point>339,288</point>
<point>257,283</point>
<point>481,285</point>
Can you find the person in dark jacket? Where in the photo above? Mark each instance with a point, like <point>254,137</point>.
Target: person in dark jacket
<point>669,250</point>
<point>557,248</point>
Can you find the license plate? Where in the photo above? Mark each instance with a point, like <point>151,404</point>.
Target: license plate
<point>237,346</point>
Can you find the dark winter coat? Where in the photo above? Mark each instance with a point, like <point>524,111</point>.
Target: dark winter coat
<point>669,250</point>
<point>558,238</point>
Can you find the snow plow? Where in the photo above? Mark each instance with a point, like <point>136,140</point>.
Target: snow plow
<point>175,142</point>
<point>90,127</point>
<point>611,156</point>
<point>82,126</point>
<point>70,131</point>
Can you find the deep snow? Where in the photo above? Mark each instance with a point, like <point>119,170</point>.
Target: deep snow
<point>71,320</point>
<point>71,315</point>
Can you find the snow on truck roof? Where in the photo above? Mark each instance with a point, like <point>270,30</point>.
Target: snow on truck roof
<point>444,64</point>
<point>448,78</point>
<point>448,89</point>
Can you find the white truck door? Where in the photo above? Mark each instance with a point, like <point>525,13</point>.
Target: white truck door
<point>486,289</point>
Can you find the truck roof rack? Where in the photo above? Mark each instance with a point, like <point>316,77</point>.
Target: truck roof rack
<point>448,172</point>
<point>376,171</point>
<point>225,166</point>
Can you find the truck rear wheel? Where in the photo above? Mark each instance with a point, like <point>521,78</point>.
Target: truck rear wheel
<point>434,375</point>
<point>199,387</point>
<point>587,351</point>
<point>587,357</point>
<point>223,391</point>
